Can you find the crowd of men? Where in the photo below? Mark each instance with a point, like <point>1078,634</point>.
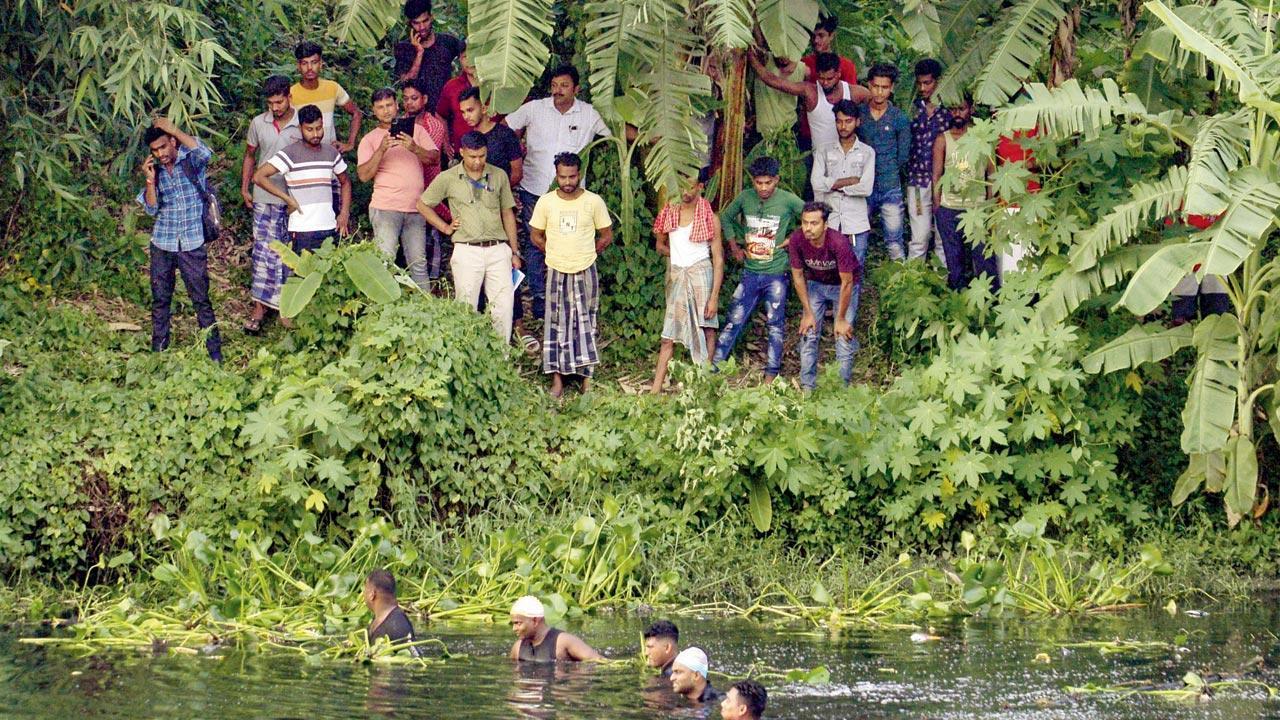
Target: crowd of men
<point>500,201</point>
<point>685,673</point>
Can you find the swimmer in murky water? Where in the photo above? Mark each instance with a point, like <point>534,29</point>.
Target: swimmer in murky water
<point>689,677</point>
<point>661,643</point>
<point>389,620</point>
<point>745,700</point>
<point>538,642</point>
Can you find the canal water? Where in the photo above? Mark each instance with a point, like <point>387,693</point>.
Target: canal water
<point>1009,668</point>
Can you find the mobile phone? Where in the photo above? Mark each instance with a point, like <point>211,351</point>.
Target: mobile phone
<point>402,126</point>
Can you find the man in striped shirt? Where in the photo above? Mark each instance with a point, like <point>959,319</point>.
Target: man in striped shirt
<point>309,168</point>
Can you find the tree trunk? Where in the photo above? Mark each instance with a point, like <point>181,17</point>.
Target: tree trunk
<point>1129,10</point>
<point>1062,55</point>
<point>732,126</point>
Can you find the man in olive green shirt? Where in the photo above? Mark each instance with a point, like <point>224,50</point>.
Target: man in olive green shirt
<point>762,216</point>
<point>483,229</point>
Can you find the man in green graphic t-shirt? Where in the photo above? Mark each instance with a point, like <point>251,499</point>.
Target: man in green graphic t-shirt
<point>760,217</point>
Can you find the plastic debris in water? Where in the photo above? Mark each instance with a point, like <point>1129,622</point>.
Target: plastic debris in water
<point>1195,613</point>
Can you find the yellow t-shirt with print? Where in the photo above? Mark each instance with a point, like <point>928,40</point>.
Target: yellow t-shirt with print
<point>570,227</point>
<point>327,96</point>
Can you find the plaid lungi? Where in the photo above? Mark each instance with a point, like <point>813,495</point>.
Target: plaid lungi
<point>270,223</point>
<point>688,289</point>
<point>569,330</point>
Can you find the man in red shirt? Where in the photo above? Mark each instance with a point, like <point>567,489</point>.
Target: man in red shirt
<point>1009,149</point>
<point>447,105</point>
<point>824,41</point>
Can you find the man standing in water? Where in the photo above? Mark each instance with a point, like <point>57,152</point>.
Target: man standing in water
<point>660,642</point>
<point>389,620</point>
<point>745,700</point>
<point>689,677</point>
<point>538,642</point>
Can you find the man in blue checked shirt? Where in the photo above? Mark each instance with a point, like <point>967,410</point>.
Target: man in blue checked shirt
<point>177,241</point>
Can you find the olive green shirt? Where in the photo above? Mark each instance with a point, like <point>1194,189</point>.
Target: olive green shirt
<point>477,205</point>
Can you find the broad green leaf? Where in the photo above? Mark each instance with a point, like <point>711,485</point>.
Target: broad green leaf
<point>921,23</point>
<point>290,258</point>
<point>1152,283</point>
<point>786,25</point>
<point>297,293</point>
<point>1215,154</point>
<point>370,275</point>
<point>1149,201</point>
<point>1211,406</point>
<point>1231,65</point>
<point>820,594</point>
<point>760,505</point>
<point>364,22</point>
<point>1021,42</point>
<point>1253,198</point>
<point>508,41</point>
<point>1141,344</point>
<point>729,22</point>
<point>1242,478</point>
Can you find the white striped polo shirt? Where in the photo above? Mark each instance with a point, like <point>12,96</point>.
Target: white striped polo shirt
<point>309,173</point>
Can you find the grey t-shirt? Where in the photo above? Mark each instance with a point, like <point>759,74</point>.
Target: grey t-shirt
<point>267,138</point>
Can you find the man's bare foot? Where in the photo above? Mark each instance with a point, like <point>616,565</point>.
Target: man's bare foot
<point>586,385</point>
<point>557,386</point>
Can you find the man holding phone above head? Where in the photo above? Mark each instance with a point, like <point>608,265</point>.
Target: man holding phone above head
<point>393,155</point>
<point>309,167</point>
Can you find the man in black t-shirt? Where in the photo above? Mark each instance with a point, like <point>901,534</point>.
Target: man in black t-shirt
<point>501,141</point>
<point>389,621</point>
<point>428,55</point>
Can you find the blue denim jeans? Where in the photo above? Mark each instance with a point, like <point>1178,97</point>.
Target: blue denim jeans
<point>535,262</point>
<point>860,241</point>
<point>754,287</point>
<point>822,296</point>
<point>889,204</point>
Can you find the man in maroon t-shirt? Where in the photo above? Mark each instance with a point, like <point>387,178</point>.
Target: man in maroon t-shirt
<point>824,271</point>
<point>447,107</point>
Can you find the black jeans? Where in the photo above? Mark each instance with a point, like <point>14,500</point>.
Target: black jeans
<point>965,260</point>
<point>193,265</point>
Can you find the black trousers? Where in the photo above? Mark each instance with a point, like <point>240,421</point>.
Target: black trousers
<point>193,265</point>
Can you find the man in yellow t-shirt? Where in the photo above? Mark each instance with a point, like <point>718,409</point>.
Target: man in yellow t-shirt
<point>324,94</point>
<point>572,226</point>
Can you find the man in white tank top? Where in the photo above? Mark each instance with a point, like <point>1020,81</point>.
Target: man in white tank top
<point>818,97</point>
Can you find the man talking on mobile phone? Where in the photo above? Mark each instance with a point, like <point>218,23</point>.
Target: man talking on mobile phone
<point>174,196</point>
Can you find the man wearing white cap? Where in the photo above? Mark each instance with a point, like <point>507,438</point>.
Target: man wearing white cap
<point>537,642</point>
<point>689,677</point>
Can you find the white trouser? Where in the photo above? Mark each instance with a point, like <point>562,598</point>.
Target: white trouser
<point>920,213</point>
<point>488,267</point>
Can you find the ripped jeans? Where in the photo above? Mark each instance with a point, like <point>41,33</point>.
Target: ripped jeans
<point>754,287</point>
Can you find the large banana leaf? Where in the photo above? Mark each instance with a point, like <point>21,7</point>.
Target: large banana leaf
<point>1215,154</point>
<point>1021,42</point>
<point>1140,345</point>
<point>1150,201</point>
<point>966,65</point>
<point>1158,276</point>
<point>1208,469</point>
<point>786,25</point>
<point>364,22</point>
<point>729,23</point>
<point>921,23</point>
<point>615,29</point>
<point>668,119</point>
<point>1235,64</point>
<point>1241,488</point>
<point>1071,288</point>
<point>508,40</point>
<point>1211,398</point>
<point>1071,109</point>
<point>369,274</point>
<point>1253,199</point>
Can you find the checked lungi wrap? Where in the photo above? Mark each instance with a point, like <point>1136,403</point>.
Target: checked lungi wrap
<point>570,328</point>
<point>270,224</point>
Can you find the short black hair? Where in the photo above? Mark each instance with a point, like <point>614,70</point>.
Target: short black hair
<point>846,107</point>
<point>471,93</point>
<point>152,134</point>
<point>382,94</point>
<point>827,22</point>
<point>704,177</point>
<point>764,166</point>
<point>884,70</point>
<point>414,8</point>
<point>929,66</point>
<point>382,581</point>
<point>306,49</point>
<point>568,159</point>
<point>308,114</point>
<point>662,629</point>
<point>753,695</point>
<point>473,141</point>
<point>819,207</point>
<point>275,85</point>
<point>826,62</point>
<point>568,70</point>
<point>419,84</point>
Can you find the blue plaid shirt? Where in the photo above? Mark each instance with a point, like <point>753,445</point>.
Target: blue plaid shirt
<point>180,214</point>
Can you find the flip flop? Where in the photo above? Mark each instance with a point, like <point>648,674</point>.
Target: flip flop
<point>531,344</point>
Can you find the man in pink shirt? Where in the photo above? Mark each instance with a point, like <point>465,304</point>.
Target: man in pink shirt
<point>394,160</point>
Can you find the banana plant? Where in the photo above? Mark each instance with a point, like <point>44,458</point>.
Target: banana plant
<point>1232,172</point>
